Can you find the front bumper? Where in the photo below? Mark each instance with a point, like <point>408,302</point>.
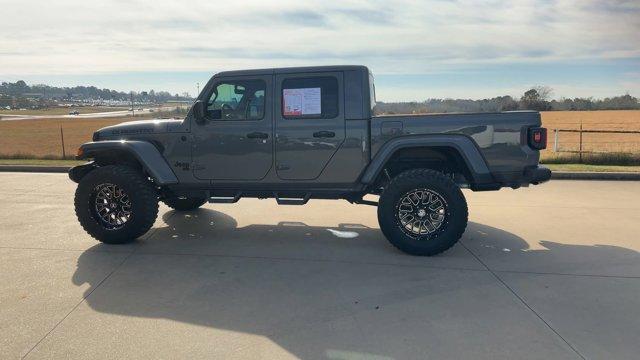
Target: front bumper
<point>537,175</point>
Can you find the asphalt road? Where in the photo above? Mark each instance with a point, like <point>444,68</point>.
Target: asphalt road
<point>549,272</point>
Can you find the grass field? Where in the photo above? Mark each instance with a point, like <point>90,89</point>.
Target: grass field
<point>593,120</point>
<point>63,110</point>
<point>603,119</point>
<point>41,138</point>
<point>587,167</point>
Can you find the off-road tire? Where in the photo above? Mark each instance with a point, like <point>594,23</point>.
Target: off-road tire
<point>184,204</point>
<point>142,197</point>
<point>455,212</point>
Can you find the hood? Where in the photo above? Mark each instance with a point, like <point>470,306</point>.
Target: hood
<point>154,126</point>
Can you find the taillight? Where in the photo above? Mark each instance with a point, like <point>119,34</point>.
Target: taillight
<point>538,138</point>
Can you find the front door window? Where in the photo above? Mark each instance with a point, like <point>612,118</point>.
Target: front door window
<point>238,100</point>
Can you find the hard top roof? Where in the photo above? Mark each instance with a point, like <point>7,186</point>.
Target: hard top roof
<point>288,70</point>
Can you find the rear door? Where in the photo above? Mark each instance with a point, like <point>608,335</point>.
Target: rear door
<point>310,124</point>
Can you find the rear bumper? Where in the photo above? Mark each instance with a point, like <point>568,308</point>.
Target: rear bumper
<point>530,175</point>
<point>537,175</point>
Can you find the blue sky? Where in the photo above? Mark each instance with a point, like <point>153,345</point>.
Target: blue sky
<point>416,49</point>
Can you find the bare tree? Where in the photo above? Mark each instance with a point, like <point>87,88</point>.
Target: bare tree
<point>544,92</point>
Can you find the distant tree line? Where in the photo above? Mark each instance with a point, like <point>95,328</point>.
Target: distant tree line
<point>21,89</point>
<point>537,98</point>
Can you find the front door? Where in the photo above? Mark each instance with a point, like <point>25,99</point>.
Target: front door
<point>236,141</point>
<point>310,123</point>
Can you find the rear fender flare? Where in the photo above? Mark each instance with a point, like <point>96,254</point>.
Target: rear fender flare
<point>144,152</point>
<point>464,145</point>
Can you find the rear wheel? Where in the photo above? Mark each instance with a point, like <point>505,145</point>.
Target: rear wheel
<point>422,212</point>
<point>116,204</point>
<point>184,204</point>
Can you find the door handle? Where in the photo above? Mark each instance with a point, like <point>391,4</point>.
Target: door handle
<point>257,135</point>
<point>324,134</point>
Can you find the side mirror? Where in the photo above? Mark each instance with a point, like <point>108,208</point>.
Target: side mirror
<point>199,112</point>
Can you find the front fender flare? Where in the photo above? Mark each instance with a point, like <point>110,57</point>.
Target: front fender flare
<point>146,154</point>
<point>463,144</point>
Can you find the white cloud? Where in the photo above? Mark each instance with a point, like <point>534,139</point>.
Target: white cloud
<point>395,36</point>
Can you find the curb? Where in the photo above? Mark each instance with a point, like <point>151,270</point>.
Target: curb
<point>593,175</point>
<point>555,175</point>
<point>34,168</point>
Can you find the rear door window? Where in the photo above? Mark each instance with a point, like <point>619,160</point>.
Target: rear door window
<point>310,98</point>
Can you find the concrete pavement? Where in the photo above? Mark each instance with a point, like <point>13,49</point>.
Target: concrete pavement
<point>546,272</point>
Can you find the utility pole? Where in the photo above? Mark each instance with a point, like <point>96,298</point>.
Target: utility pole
<point>133,111</point>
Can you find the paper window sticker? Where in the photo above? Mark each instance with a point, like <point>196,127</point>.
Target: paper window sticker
<point>305,101</point>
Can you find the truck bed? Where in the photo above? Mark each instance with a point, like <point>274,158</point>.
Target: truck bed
<point>501,137</point>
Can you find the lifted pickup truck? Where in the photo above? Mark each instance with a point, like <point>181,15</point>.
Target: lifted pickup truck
<point>296,134</point>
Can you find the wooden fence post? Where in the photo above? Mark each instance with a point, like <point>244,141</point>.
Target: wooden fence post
<point>64,155</point>
<point>580,142</point>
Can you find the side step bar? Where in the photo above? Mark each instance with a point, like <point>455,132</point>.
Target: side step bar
<point>281,200</point>
<point>225,199</point>
<point>292,201</point>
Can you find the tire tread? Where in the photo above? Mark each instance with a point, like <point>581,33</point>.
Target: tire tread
<point>145,195</point>
<point>427,176</point>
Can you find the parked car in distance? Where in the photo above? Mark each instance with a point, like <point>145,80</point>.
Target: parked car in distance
<point>296,134</point>
<point>74,112</point>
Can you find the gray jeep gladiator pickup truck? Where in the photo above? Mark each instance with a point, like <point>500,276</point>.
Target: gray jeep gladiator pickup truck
<point>296,134</point>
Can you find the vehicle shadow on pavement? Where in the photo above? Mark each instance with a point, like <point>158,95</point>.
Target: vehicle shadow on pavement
<point>293,285</point>
<point>503,251</point>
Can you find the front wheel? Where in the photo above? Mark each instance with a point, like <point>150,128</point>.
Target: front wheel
<point>422,212</point>
<point>116,204</point>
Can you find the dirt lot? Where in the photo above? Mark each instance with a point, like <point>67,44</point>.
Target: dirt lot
<point>42,137</point>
